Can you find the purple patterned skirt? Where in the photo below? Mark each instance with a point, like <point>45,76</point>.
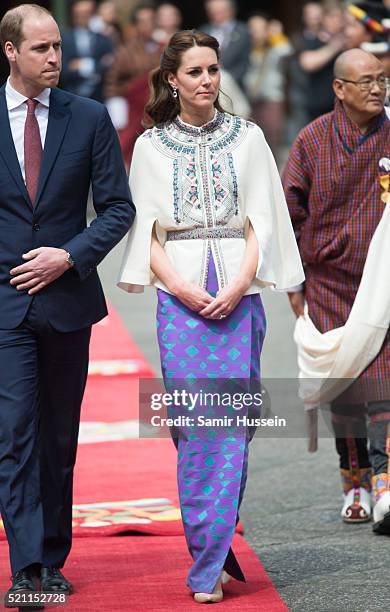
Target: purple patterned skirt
<point>200,354</point>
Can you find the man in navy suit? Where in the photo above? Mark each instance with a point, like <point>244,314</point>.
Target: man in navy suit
<point>86,55</point>
<point>233,36</point>
<point>53,146</point>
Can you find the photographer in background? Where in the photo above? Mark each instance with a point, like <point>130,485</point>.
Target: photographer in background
<point>317,60</point>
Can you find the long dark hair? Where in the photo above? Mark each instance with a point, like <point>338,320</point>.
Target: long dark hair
<point>162,106</point>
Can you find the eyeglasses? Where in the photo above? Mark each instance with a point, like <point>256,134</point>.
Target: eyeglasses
<point>368,84</point>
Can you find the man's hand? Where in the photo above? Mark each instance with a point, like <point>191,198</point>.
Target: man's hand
<point>42,267</point>
<point>297,302</point>
<point>75,64</point>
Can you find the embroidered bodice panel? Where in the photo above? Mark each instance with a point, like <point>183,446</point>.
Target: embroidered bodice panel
<point>204,179</point>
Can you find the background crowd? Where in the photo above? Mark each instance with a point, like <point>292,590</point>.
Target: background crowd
<point>280,81</point>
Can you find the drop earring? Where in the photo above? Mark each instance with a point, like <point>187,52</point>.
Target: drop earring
<point>174,92</point>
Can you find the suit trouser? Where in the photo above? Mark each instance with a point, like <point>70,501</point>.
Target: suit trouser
<point>357,457</point>
<point>42,380</point>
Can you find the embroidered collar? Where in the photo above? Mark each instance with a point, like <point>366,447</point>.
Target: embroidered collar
<point>220,135</point>
<point>207,128</point>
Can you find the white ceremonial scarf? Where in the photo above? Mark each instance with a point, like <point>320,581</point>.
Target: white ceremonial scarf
<point>330,362</point>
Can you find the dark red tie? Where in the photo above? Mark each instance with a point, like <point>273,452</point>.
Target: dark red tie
<point>32,150</point>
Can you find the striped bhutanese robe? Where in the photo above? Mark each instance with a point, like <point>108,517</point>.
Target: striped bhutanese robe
<point>333,188</point>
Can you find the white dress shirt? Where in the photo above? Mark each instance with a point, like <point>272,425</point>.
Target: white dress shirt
<point>17,113</point>
<point>223,33</point>
<point>83,41</point>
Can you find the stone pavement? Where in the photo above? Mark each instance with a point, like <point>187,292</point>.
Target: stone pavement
<point>293,498</point>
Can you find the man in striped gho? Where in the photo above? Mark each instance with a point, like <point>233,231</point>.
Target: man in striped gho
<point>337,187</point>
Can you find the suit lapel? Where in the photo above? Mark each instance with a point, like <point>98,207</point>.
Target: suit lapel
<point>73,47</point>
<point>59,115</point>
<point>94,44</point>
<point>7,148</point>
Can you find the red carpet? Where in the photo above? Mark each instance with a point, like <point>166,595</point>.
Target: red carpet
<point>141,475</point>
<point>148,573</point>
<point>111,344</point>
<point>135,489</point>
<point>126,485</point>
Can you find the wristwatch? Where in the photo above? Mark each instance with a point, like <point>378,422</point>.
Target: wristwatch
<point>69,259</point>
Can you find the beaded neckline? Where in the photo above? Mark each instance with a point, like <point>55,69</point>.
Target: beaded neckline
<point>221,134</point>
<point>207,128</point>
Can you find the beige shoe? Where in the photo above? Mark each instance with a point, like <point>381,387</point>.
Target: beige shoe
<point>215,597</point>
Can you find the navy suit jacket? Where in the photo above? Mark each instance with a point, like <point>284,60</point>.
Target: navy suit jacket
<point>235,55</point>
<point>102,51</point>
<point>81,148</point>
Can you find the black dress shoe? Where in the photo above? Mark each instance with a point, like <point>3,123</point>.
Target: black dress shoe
<point>24,585</point>
<point>52,581</point>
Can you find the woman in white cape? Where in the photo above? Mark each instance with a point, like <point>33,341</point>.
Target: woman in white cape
<point>212,229</point>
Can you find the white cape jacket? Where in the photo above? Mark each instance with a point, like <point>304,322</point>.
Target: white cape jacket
<point>221,175</point>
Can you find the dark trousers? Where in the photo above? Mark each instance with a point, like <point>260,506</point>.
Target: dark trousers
<point>353,434</point>
<point>42,380</point>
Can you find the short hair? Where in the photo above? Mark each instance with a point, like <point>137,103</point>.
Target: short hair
<point>233,4</point>
<point>262,14</point>
<point>145,6</point>
<point>74,2</point>
<point>11,25</point>
<point>331,5</point>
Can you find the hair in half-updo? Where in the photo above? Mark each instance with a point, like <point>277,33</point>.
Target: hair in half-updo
<point>162,106</point>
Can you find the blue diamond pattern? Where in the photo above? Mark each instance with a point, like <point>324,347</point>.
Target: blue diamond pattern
<point>192,323</point>
<point>192,351</point>
<point>234,353</point>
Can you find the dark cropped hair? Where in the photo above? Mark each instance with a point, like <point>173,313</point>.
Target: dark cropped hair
<point>145,6</point>
<point>162,107</point>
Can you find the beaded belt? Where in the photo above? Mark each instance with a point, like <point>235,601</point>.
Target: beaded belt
<point>206,233</point>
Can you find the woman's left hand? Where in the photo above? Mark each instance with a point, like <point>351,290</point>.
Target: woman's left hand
<point>225,301</point>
